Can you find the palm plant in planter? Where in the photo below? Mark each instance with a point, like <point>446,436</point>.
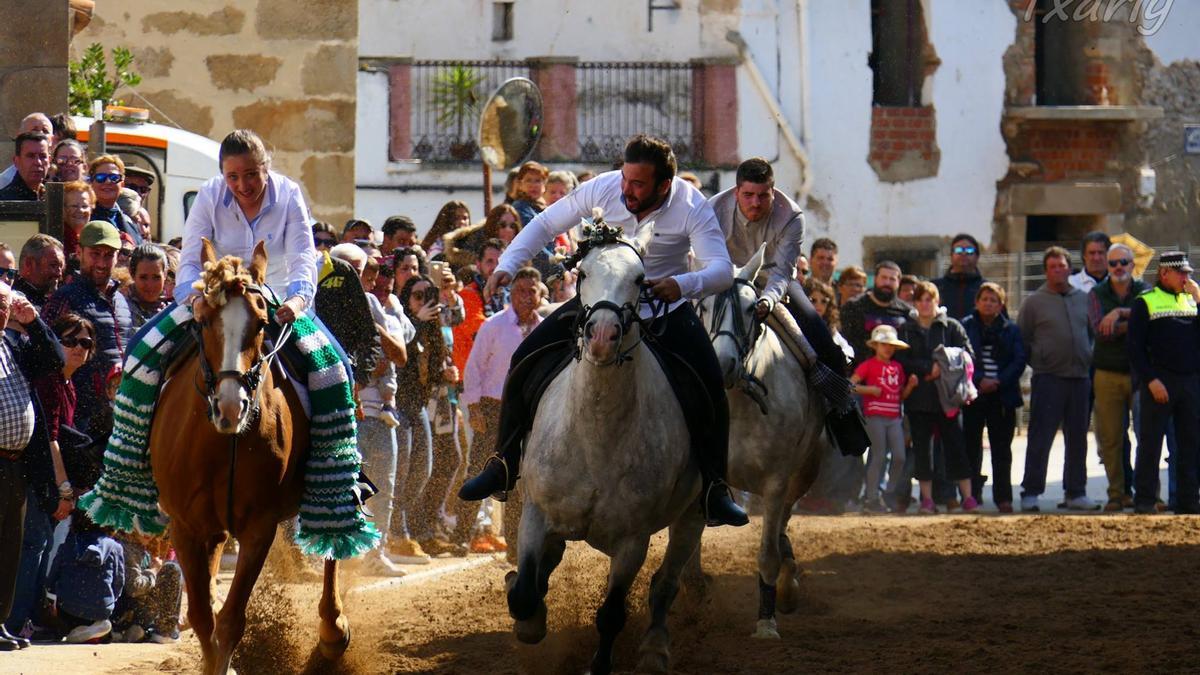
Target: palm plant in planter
<point>456,101</point>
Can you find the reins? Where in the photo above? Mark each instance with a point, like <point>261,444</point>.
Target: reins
<point>249,380</point>
<point>744,336</point>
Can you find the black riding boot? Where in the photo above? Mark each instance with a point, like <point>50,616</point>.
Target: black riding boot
<point>844,421</point>
<point>540,356</point>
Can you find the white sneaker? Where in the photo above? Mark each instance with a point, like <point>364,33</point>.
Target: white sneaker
<point>377,565</point>
<point>95,631</point>
<point>163,639</point>
<point>134,633</point>
<point>1083,503</point>
<point>1029,503</point>
<point>387,415</point>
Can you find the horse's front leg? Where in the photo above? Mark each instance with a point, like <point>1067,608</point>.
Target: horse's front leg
<point>610,618</point>
<point>526,603</point>
<point>335,627</point>
<point>769,560</point>
<point>683,546</point>
<point>198,558</point>
<point>253,546</point>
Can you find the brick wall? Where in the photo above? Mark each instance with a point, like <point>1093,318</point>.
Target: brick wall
<point>1069,150</point>
<point>904,143</point>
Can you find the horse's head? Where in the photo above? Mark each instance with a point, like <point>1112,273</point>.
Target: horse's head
<point>610,283</point>
<point>231,320</point>
<point>729,318</point>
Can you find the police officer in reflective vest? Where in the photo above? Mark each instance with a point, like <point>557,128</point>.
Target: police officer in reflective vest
<point>1164,350</point>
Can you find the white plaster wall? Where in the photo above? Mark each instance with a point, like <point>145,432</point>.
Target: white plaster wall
<point>968,90</point>
<point>1172,36</point>
<point>606,30</point>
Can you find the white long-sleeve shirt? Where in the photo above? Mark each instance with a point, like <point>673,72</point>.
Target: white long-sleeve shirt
<point>684,222</point>
<point>495,343</point>
<point>282,224</point>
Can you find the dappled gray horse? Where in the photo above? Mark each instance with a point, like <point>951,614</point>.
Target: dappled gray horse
<point>608,462</point>
<point>774,426</point>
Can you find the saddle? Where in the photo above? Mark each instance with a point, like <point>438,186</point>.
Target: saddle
<point>528,380</point>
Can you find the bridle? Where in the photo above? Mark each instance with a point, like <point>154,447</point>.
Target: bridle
<point>627,313</point>
<point>248,380</point>
<point>745,335</point>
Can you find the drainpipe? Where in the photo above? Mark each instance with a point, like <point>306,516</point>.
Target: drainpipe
<point>781,122</point>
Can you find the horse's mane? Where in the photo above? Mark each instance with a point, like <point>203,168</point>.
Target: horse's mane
<point>595,232</point>
<point>222,275</point>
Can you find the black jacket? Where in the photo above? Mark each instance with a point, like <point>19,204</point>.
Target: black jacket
<point>1008,350</point>
<point>958,292</point>
<point>918,358</point>
<point>342,306</point>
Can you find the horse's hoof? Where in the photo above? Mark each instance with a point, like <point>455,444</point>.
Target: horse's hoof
<point>510,580</point>
<point>766,630</point>
<point>332,651</point>
<point>532,630</point>
<point>654,662</point>
<point>787,588</point>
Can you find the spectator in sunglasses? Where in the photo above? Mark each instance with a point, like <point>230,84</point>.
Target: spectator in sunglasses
<point>107,176</point>
<point>962,281</point>
<point>1110,303</point>
<point>8,265</point>
<point>139,180</point>
<point>324,236</point>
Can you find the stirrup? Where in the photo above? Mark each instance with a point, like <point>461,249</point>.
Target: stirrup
<point>500,495</point>
<point>708,520</point>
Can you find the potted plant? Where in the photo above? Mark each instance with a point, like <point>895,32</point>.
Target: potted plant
<point>456,101</point>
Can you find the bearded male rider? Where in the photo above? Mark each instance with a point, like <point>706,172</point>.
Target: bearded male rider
<point>645,189</point>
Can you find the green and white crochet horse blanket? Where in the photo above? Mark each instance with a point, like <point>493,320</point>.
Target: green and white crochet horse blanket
<point>331,525</point>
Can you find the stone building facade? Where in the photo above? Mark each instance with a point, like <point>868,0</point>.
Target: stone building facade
<point>285,68</point>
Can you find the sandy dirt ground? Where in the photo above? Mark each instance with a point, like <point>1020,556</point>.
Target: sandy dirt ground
<point>1071,594</point>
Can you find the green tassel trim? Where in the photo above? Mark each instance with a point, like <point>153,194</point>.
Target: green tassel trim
<point>340,546</point>
<point>109,514</point>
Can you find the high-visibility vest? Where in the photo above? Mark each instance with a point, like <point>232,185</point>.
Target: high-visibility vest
<point>1164,305</point>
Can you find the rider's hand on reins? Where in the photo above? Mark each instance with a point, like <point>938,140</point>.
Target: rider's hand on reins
<point>494,283</point>
<point>289,310</point>
<point>664,289</point>
<point>762,308</point>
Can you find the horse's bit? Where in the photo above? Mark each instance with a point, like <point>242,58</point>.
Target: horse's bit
<point>744,337</point>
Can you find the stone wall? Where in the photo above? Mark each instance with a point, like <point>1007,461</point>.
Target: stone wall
<point>285,68</point>
<point>33,62</point>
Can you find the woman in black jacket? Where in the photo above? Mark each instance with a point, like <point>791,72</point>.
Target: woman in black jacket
<point>996,342</point>
<point>928,328</point>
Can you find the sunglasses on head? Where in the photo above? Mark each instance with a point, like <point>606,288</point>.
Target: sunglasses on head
<point>9,273</point>
<point>964,250</point>
<point>1119,263</point>
<point>69,342</point>
<point>107,178</point>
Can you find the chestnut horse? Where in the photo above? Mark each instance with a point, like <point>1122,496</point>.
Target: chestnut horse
<point>231,462</point>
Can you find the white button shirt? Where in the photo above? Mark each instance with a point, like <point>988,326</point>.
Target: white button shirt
<point>283,223</point>
<point>684,222</point>
<point>487,366</point>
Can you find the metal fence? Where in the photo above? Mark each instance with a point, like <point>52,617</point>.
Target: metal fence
<point>617,100</point>
<point>447,99</point>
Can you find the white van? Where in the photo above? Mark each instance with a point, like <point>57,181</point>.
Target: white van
<point>180,160</point>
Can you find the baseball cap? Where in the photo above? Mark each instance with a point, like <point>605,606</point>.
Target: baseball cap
<point>100,233</point>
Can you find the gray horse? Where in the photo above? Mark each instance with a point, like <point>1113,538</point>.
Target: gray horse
<point>607,462</point>
<point>774,430</point>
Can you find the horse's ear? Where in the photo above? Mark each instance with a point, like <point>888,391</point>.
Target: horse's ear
<point>750,270</point>
<point>644,236</point>
<point>208,254</point>
<point>258,263</point>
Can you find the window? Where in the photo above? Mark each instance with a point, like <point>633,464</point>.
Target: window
<point>502,21</point>
<point>898,39</point>
<point>1059,58</point>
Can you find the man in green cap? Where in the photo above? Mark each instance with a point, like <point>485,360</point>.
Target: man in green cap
<point>93,295</point>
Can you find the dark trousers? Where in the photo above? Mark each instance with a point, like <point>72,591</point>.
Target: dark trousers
<point>1001,421</point>
<point>683,336</point>
<point>35,562</point>
<point>923,425</point>
<point>12,530</point>
<point>815,330</point>
<point>1184,408</point>
<point>1053,402</point>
